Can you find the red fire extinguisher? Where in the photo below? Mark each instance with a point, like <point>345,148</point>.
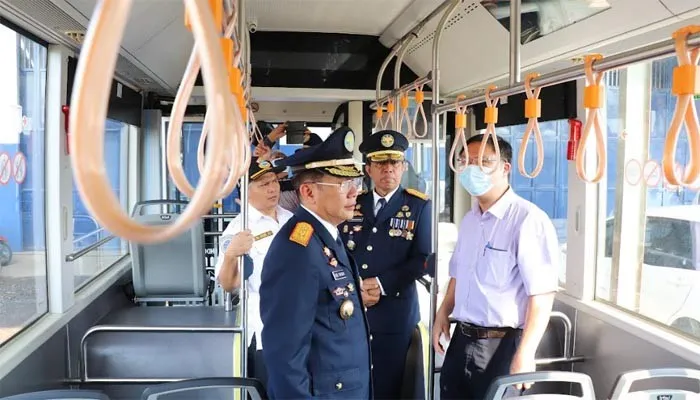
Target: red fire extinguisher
<point>574,137</point>
<point>66,125</point>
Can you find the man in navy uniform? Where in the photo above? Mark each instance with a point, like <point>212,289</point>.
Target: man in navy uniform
<point>389,238</point>
<point>315,333</point>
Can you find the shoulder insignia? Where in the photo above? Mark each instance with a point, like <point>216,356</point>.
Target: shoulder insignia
<point>302,233</point>
<point>415,193</point>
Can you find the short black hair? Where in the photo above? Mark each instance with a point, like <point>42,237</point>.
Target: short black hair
<point>503,145</point>
<point>309,175</point>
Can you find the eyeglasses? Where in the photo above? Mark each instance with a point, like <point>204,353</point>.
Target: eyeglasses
<point>475,161</point>
<point>345,186</point>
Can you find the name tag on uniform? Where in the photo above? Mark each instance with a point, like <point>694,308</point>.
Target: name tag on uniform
<point>263,235</point>
<point>338,274</point>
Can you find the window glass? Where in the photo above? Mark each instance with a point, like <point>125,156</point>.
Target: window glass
<point>657,276</point>
<point>86,230</point>
<point>549,189</point>
<point>23,288</point>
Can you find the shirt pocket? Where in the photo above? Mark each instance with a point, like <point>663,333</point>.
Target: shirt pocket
<point>493,269</point>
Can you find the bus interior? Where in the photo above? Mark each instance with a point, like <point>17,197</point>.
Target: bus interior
<point>105,310</point>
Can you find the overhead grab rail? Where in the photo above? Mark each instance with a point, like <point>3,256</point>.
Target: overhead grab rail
<point>460,137</point>
<point>686,84</point>
<point>593,99</point>
<point>91,97</point>
<point>642,54</point>
<point>533,111</point>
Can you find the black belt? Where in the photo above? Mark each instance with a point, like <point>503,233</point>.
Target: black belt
<point>480,332</point>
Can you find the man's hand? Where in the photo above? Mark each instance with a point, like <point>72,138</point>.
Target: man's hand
<point>441,326</point>
<point>522,362</point>
<point>370,292</point>
<point>240,244</point>
<point>262,152</point>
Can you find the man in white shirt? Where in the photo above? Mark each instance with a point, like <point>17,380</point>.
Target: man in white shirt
<point>265,218</point>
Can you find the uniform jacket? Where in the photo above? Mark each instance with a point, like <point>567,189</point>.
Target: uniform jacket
<point>310,351</point>
<point>393,246</point>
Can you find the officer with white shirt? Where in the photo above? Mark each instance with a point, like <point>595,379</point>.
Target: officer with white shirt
<point>265,218</point>
<point>389,238</point>
<point>315,332</point>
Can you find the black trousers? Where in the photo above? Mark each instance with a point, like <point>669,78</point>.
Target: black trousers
<point>256,364</point>
<point>471,365</point>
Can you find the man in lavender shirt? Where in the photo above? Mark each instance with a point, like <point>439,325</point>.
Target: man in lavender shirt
<point>503,277</point>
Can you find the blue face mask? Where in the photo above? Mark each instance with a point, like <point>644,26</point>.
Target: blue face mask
<point>475,181</point>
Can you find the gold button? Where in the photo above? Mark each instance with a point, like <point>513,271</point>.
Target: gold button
<point>338,385</point>
<point>369,248</point>
<point>374,230</point>
<point>370,337</point>
<point>371,367</point>
<point>364,266</point>
<point>365,309</point>
<point>397,294</point>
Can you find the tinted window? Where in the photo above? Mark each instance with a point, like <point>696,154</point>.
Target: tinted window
<point>667,243</point>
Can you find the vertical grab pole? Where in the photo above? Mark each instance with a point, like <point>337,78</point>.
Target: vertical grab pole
<point>515,29</point>
<point>243,294</point>
<point>436,183</point>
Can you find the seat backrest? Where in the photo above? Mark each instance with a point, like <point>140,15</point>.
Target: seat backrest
<point>621,389</point>
<point>205,388</point>
<point>501,384</point>
<point>63,394</point>
<point>172,270</point>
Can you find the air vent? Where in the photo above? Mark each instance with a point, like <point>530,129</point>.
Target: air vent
<point>466,9</point>
<point>76,36</point>
<point>144,81</point>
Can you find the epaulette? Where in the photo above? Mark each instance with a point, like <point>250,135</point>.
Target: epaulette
<point>361,192</point>
<point>302,233</point>
<point>415,193</point>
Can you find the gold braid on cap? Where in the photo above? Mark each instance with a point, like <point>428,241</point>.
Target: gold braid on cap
<point>344,170</point>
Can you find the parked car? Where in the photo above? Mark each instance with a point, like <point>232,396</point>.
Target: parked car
<point>670,275</point>
<point>5,252</point>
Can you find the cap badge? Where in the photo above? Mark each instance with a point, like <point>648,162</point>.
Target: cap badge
<point>387,140</point>
<point>349,141</point>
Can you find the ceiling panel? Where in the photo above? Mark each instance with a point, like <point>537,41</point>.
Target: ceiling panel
<point>368,17</point>
<point>475,46</point>
<point>681,6</point>
<point>146,19</point>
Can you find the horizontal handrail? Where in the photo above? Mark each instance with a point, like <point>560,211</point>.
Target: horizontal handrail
<point>405,88</point>
<point>217,216</point>
<point>87,235</point>
<point>76,255</point>
<point>633,56</point>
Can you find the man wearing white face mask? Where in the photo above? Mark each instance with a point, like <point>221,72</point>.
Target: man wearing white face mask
<point>503,277</point>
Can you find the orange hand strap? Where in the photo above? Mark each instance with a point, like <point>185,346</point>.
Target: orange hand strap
<point>491,119</point>
<point>686,84</point>
<point>593,99</point>
<point>533,110</point>
<point>403,103</point>
<point>460,139</point>
<point>89,110</point>
<point>420,97</point>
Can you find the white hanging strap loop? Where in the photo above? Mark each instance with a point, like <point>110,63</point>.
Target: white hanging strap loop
<point>460,136</point>
<point>420,97</point>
